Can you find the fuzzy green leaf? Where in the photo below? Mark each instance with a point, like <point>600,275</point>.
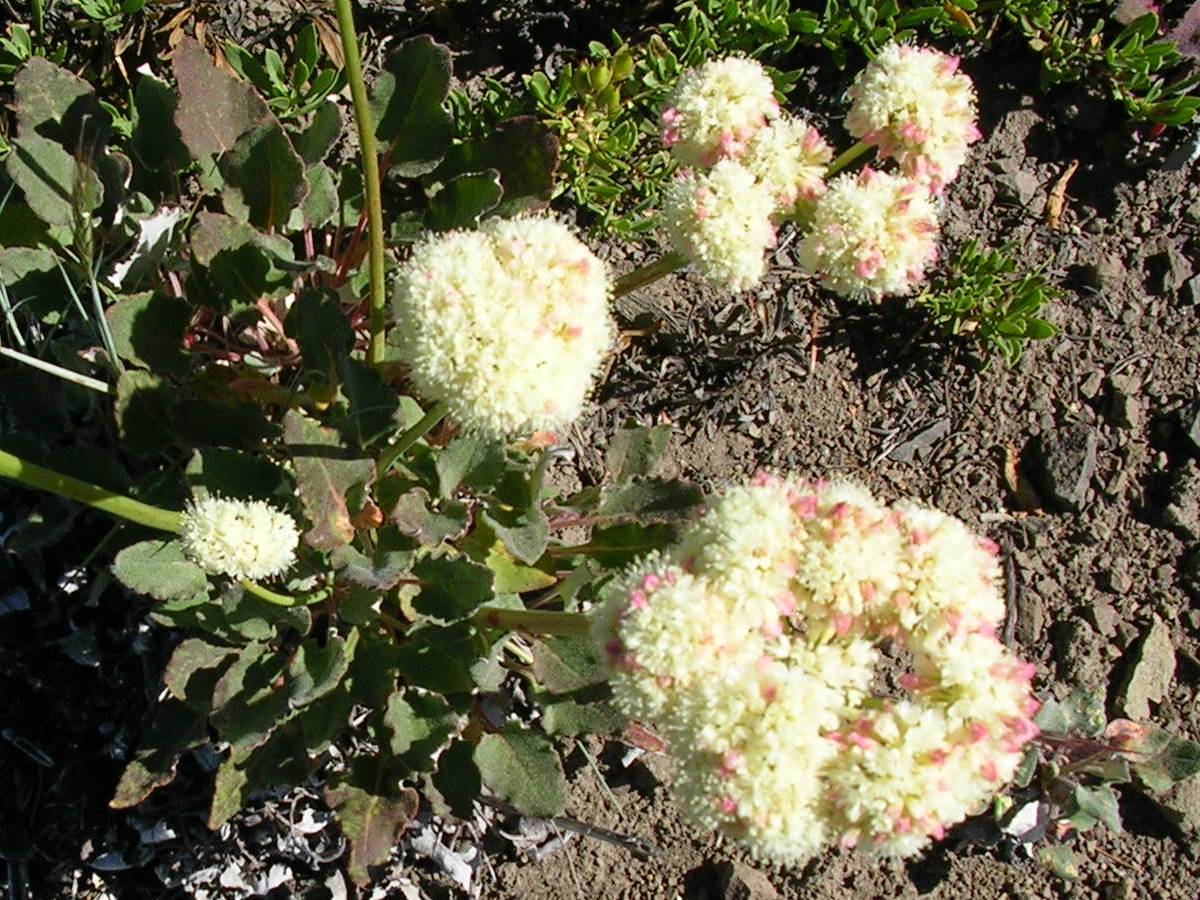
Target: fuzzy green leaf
<point>524,154</point>
<point>633,452</point>
<point>1101,804</point>
<point>407,104</point>
<point>57,187</point>
<point>143,412</point>
<point>57,104</point>
<point>314,142</point>
<point>191,656</point>
<point>464,200</point>
<point>413,517</point>
<point>264,177</point>
<point>565,664</point>
<point>371,822</point>
<point>233,473</point>
<point>159,568</point>
<point>471,461</point>
<point>439,657</point>
<point>651,498</point>
<point>570,717</point>
<point>318,324</point>
<point>1159,758</point>
<point>457,778</point>
<point>315,671</point>
<point>148,331</point>
<point>451,588</point>
<point>175,729</point>
<point>520,766</point>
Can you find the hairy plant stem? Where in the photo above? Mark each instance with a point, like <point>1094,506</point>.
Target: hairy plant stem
<point>424,425</point>
<point>649,273</point>
<point>370,166</point>
<point>27,473</point>
<point>536,621</point>
<point>846,158</point>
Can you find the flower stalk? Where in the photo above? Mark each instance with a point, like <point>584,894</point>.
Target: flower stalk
<point>16,469</point>
<point>424,425</point>
<point>535,621</point>
<point>649,273</point>
<point>371,183</point>
<point>847,157</point>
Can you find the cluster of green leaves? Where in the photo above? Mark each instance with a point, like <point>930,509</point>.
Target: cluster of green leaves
<point>227,336</point>
<point>1070,775</point>
<point>1140,68</point>
<point>981,296</point>
<point>111,15</point>
<point>295,95</point>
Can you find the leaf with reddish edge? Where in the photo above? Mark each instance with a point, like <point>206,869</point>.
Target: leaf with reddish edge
<point>324,474</point>
<point>1159,758</point>
<point>371,822</point>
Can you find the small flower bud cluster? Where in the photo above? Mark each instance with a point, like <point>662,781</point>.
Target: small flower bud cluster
<point>239,538</point>
<point>748,164</point>
<point>916,107</point>
<point>752,647</point>
<point>508,325</point>
<point>869,236</point>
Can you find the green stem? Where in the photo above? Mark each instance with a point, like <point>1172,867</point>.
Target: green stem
<point>537,621</point>
<point>38,17</point>
<point>17,469</point>
<point>262,593</point>
<point>370,166</point>
<point>649,273</point>
<point>848,157</point>
<point>433,415</point>
<point>65,374</point>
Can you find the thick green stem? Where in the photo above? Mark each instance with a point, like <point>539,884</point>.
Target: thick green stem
<point>370,169</point>
<point>535,621</point>
<point>388,458</point>
<point>17,469</point>
<point>38,18</point>
<point>263,593</point>
<point>848,157</point>
<point>649,273</point>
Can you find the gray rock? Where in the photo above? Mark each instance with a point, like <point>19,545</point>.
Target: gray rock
<point>1176,269</point>
<point>1064,463</point>
<point>1190,419</point>
<point>1182,804</point>
<point>1183,510</point>
<point>1106,274</point>
<point>1031,616</point>
<point>1017,183</point>
<point>1102,616</point>
<point>1150,677</point>
<point>1191,291</point>
<point>1126,410</point>
<point>1079,657</point>
<point>741,882</point>
<point>1091,385</point>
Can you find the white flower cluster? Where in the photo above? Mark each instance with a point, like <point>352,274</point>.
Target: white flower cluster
<point>239,538</point>
<point>871,234</point>
<point>915,106</point>
<point>748,164</point>
<point>507,325</point>
<point>752,647</point>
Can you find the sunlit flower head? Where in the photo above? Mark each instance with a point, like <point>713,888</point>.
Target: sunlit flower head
<point>715,109</point>
<point>916,106</point>
<point>508,325</point>
<point>872,234</point>
<point>239,538</point>
<point>720,219</point>
<point>752,645</point>
<point>789,156</point>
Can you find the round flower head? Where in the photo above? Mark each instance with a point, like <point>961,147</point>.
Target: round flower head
<point>721,221</point>
<point>751,647</point>
<point>914,105</point>
<point>239,538</point>
<point>789,156</point>
<point>507,325</point>
<point>872,234</point>
<point>716,108</point>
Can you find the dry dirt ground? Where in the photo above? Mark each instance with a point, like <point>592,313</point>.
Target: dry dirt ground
<point>1100,422</point>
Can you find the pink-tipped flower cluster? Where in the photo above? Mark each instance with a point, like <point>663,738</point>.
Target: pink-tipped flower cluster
<point>752,646</point>
<point>869,237</point>
<point>916,107</point>
<point>722,122</point>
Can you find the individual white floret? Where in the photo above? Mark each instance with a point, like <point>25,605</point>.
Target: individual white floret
<point>507,325</point>
<point>789,157</point>
<point>239,538</point>
<point>871,235</point>
<point>720,219</point>
<point>914,105</point>
<point>715,109</point>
